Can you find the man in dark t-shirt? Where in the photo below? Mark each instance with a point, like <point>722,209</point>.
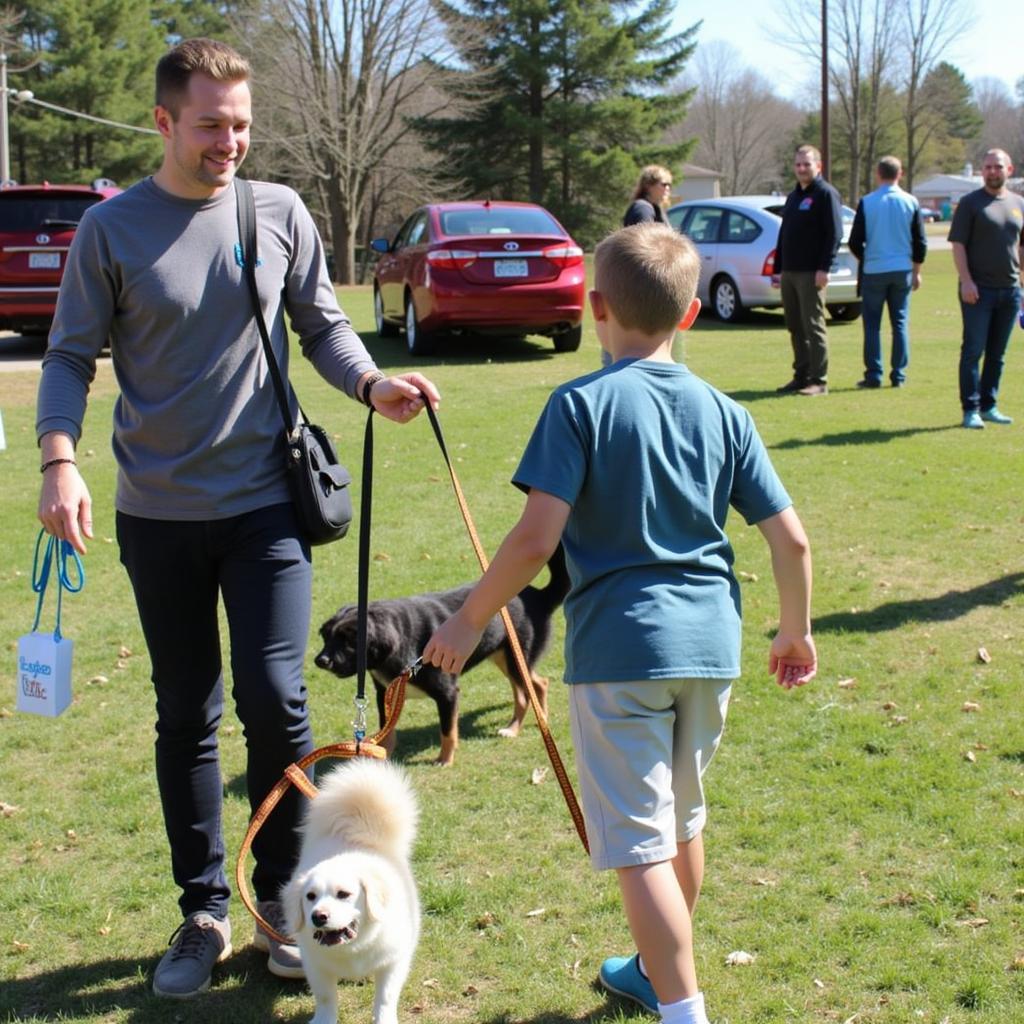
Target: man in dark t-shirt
<point>988,249</point>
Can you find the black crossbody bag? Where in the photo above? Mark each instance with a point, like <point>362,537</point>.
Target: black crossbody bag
<point>318,481</point>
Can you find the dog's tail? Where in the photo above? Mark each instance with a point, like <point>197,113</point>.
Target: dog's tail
<point>368,803</point>
<point>550,596</point>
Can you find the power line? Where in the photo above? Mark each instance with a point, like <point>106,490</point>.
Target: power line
<point>88,117</point>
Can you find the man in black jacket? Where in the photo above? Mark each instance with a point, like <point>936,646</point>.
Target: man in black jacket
<point>812,228</point>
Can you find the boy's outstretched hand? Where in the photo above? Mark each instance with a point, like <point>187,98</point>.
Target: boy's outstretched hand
<point>450,647</point>
<point>793,660</point>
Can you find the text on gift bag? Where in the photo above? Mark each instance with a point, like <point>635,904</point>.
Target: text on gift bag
<point>44,659</point>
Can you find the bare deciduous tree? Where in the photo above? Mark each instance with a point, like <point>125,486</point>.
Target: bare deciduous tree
<point>1001,119</point>
<point>335,81</point>
<point>862,36</point>
<point>928,28</point>
<point>737,119</point>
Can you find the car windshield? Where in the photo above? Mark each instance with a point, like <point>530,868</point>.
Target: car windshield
<point>498,220</point>
<point>21,212</point>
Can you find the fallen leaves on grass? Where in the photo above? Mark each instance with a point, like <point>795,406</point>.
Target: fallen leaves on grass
<point>983,655</point>
<point>97,680</point>
<point>890,705</point>
<point>539,912</point>
<point>538,775</point>
<point>739,958</point>
<point>1017,963</point>
<point>8,810</point>
<point>973,922</point>
<point>969,755</point>
<point>847,684</point>
<point>898,720</point>
<point>750,577</point>
<point>20,947</point>
<point>970,705</point>
<point>771,883</point>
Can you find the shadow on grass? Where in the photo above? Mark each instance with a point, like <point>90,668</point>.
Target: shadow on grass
<point>873,436</point>
<point>465,350</point>
<point>415,743</point>
<point>944,608</point>
<point>243,991</point>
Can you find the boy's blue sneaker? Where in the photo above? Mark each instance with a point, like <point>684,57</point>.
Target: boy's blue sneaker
<point>972,420</point>
<point>621,975</point>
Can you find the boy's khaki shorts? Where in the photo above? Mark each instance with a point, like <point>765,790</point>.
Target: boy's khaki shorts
<point>641,749</point>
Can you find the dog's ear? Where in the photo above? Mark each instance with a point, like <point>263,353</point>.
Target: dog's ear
<point>376,893</point>
<point>292,904</point>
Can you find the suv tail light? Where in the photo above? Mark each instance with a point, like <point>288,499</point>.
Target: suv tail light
<point>769,265</point>
<point>564,255</point>
<point>451,259</point>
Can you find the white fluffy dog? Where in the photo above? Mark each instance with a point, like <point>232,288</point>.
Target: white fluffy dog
<point>352,903</point>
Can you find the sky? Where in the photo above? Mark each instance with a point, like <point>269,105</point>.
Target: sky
<point>976,52</point>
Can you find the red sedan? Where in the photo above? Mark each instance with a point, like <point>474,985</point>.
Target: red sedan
<point>479,267</point>
<point>37,223</point>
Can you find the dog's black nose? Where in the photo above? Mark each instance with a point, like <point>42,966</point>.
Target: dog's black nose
<point>319,918</point>
<point>323,660</point>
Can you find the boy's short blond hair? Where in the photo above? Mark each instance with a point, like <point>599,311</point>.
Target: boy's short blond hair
<point>647,274</point>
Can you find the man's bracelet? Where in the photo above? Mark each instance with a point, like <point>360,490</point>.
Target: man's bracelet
<point>375,378</point>
<point>56,462</point>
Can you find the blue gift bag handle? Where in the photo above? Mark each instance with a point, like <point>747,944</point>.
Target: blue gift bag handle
<point>66,555</point>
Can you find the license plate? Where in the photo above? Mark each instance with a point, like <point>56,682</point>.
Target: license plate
<point>511,268</point>
<point>44,261</point>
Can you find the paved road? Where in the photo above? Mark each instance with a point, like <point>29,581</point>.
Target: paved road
<point>23,352</point>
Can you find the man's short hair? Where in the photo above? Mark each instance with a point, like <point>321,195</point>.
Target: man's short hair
<point>812,151</point>
<point>890,168</point>
<point>647,274</point>
<point>209,57</point>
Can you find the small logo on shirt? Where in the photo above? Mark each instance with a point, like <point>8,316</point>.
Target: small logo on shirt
<point>240,257</point>
<point>806,204</point>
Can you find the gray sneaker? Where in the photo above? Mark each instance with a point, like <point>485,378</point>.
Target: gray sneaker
<point>197,944</point>
<point>285,960</point>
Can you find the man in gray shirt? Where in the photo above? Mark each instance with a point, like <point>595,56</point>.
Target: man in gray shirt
<point>202,506</point>
<point>988,248</point>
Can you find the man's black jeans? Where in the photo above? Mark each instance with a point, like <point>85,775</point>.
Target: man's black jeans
<point>261,567</point>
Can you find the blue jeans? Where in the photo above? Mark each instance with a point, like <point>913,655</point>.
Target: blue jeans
<point>987,328</point>
<point>877,291</point>
<point>259,564</point>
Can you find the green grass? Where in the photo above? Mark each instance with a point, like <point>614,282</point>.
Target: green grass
<point>866,838</point>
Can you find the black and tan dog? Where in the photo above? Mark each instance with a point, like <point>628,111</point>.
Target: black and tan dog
<point>398,629</point>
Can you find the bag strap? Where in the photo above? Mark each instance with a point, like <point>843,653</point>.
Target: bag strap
<point>517,650</point>
<point>41,574</point>
<point>248,254</point>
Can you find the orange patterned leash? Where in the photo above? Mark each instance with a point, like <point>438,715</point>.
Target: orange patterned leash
<point>517,651</point>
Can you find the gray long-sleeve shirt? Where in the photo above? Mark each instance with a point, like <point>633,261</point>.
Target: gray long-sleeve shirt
<point>197,429</point>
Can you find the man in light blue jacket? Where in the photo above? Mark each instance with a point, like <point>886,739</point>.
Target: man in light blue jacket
<point>888,239</point>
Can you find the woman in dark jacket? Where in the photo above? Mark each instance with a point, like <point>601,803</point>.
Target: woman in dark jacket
<point>650,197</point>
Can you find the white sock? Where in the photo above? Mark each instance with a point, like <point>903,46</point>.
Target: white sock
<point>686,1011</point>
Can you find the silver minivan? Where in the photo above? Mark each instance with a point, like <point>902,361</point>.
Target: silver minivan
<point>736,237</point>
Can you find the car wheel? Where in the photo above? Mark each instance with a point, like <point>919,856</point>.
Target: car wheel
<point>844,312</point>
<point>385,329</point>
<point>418,341</point>
<point>569,341</point>
<point>725,299</point>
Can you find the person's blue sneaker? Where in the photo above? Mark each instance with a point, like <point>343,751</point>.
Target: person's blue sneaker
<point>621,975</point>
<point>972,420</point>
<point>993,415</point>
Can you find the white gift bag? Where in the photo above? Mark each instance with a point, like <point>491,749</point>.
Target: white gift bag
<point>44,659</point>
<point>44,673</point>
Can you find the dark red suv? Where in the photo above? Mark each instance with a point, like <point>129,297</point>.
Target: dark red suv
<point>37,223</point>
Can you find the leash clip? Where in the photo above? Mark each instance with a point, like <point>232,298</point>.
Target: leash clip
<point>414,667</point>
<point>359,722</point>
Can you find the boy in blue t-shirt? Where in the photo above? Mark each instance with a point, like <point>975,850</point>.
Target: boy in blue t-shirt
<point>634,468</point>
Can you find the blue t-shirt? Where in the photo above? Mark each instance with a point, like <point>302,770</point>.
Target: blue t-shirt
<point>650,458</point>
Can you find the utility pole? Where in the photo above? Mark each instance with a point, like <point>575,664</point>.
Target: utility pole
<point>5,158</point>
<point>826,158</point>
